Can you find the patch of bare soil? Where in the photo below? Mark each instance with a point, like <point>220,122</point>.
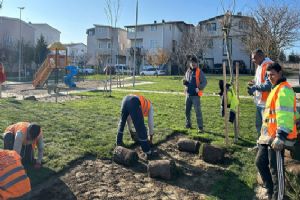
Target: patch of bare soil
<point>104,179</point>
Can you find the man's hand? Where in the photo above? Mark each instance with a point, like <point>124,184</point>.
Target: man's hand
<point>277,144</point>
<point>251,83</point>
<point>37,165</point>
<point>197,90</point>
<point>251,90</point>
<point>185,82</point>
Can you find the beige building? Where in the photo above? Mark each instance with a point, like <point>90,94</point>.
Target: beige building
<point>50,34</point>
<point>77,52</point>
<point>216,52</point>
<point>106,45</point>
<point>150,37</point>
<point>10,32</point>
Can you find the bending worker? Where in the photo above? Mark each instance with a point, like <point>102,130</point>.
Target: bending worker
<point>135,108</point>
<point>23,137</point>
<point>14,182</point>
<point>278,130</point>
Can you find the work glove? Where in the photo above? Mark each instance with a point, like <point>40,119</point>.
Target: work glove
<point>251,90</point>
<point>197,90</point>
<point>151,140</point>
<point>277,144</point>
<point>185,82</point>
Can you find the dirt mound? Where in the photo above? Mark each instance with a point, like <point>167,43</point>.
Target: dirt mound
<point>104,179</point>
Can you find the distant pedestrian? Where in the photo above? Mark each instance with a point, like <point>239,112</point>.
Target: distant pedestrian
<point>2,77</point>
<point>194,82</point>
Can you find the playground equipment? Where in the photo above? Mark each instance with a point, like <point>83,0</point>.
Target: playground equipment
<point>68,79</point>
<point>54,61</point>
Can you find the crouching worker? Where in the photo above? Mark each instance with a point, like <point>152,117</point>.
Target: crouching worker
<point>14,182</point>
<point>23,137</point>
<point>134,108</point>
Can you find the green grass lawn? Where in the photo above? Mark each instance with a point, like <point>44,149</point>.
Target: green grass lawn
<point>174,83</point>
<point>88,126</point>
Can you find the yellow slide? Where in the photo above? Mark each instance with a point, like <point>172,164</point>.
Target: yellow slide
<point>43,73</point>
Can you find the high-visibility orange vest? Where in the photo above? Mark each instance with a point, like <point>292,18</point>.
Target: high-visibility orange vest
<point>198,71</point>
<point>264,94</point>
<point>272,125</point>
<point>22,126</point>
<point>145,104</point>
<point>13,179</point>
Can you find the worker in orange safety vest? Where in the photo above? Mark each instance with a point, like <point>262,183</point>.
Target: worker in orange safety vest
<point>194,82</point>
<point>24,137</point>
<point>14,182</point>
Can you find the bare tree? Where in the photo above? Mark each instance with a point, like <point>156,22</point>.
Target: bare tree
<point>194,41</point>
<point>273,29</point>
<point>112,8</point>
<point>158,57</point>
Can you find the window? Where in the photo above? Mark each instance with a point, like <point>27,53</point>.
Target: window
<point>104,45</point>
<point>131,30</point>
<point>153,27</point>
<point>108,45</point>
<point>140,29</point>
<point>153,44</point>
<point>225,46</point>
<point>243,25</point>
<point>174,44</point>
<point>210,43</point>
<point>211,27</point>
<point>102,29</point>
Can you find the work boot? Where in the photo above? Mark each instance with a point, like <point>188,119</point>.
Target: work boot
<point>120,144</point>
<point>152,156</point>
<point>188,126</point>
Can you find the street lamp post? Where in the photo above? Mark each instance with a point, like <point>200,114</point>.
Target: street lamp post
<point>20,43</point>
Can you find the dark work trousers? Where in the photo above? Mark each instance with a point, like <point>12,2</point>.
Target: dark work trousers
<point>131,106</point>
<point>27,152</point>
<point>266,164</point>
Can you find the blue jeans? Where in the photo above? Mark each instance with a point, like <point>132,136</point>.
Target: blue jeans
<point>258,119</point>
<point>189,102</point>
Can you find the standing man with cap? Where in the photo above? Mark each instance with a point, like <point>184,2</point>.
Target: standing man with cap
<point>23,137</point>
<point>134,108</point>
<point>194,82</point>
<point>260,87</point>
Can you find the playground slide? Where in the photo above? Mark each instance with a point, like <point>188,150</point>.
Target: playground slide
<point>42,74</point>
<point>72,71</point>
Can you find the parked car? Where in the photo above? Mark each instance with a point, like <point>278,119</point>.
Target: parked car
<point>123,69</point>
<point>85,70</point>
<point>149,72</point>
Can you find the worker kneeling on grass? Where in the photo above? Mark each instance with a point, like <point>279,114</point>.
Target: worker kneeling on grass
<point>23,137</point>
<point>13,179</point>
<point>134,108</point>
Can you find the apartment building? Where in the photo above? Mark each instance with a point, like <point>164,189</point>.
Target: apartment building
<point>50,34</point>
<point>216,53</point>
<point>150,37</point>
<point>77,53</point>
<point>106,45</point>
<point>10,32</point>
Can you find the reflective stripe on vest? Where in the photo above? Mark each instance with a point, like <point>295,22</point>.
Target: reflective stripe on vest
<point>198,71</point>
<point>270,114</point>
<point>13,179</point>
<point>23,127</point>
<point>264,95</point>
<point>145,105</point>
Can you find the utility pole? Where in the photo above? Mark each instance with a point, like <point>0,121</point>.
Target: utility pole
<point>134,50</point>
<point>20,43</point>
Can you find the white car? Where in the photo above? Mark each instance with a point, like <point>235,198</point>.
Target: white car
<point>86,70</point>
<point>149,72</point>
